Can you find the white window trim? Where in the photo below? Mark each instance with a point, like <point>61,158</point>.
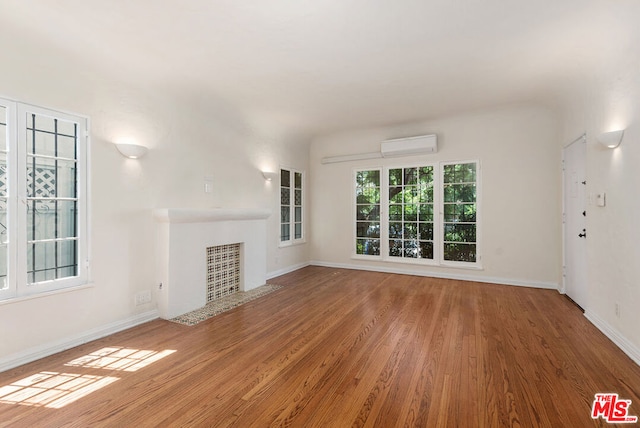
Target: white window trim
<point>17,288</point>
<point>292,241</point>
<point>438,220</point>
<point>385,208</point>
<point>464,265</point>
<point>12,175</point>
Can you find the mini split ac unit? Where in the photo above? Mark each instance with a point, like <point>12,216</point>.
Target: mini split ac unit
<point>409,146</point>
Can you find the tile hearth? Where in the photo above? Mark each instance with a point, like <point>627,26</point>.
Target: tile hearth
<point>224,304</point>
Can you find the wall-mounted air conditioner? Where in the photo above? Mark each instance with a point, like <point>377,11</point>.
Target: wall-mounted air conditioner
<point>421,144</point>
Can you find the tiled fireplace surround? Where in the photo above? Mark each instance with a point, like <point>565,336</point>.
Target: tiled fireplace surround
<point>183,236</point>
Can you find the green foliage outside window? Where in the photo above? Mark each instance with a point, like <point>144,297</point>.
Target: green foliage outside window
<point>410,220</point>
<point>459,206</point>
<point>411,212</point>
<point>368,212</point>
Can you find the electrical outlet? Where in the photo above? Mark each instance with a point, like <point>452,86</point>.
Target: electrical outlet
<point>143,297</point>
<point>617,310</point>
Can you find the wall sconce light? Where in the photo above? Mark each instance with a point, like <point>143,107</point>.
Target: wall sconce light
<point>131,151</point>
<point>611,139</point>
<point>269,176</point>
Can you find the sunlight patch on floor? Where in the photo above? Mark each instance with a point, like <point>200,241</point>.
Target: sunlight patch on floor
<point>116,358</point>
<point>55,390</point>
<point>52,389</point>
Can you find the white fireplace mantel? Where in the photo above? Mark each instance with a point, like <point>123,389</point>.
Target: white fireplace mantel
<point>188,215</point>
<point>184,234</point>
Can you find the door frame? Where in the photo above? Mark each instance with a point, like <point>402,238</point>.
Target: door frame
<point>582,138</point>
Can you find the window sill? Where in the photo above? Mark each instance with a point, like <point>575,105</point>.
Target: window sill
<point>365,257</point>
<point>461,265</point>
<point>24,298</point>
<point>292,243</point>
<point>418,262</point>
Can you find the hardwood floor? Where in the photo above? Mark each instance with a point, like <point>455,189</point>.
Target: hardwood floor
<point>337,348</point>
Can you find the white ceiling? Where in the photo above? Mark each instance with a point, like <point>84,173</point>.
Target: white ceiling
<point>316,66</point>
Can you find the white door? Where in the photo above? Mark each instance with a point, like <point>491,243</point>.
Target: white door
<point>575,221</point>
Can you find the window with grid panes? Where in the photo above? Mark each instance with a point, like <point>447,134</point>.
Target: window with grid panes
<point>291,206</point>
<point>459,205</point>
<point>367,238</point>
<point>43,212</point>
<point>411,212</point>
<point>431,213</point>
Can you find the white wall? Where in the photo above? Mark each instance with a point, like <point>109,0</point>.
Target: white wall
<point>189,137</point>
<point>521,192</point>
<point>613,231</point>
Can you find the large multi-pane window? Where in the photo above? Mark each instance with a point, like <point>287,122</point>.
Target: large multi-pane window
<point>459,233</point>
<point>411,212</point>
<point>291,204</point>
<point>43,211</point>
<point>429,216</point>
<point>368,212</point>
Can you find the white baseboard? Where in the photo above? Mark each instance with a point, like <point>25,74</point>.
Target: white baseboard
<point>625,345</point>
<point>51,348</point>
<point>286,270</point>
<point>445,275</point>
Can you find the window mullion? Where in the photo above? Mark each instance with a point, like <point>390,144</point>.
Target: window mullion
<point>384,213</point>
<point>437,213</point>
<point>33,204</point>
<point>292,207</point>
<point>79,164</point>
<point>21,201</point>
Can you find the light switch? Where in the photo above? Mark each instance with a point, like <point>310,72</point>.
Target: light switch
<point>208,183</point>
<point>601,199</point>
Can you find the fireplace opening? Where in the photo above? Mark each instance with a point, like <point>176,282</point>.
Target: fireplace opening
<point>223,271</point>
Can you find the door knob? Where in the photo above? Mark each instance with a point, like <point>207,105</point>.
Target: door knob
<point>583,234</point>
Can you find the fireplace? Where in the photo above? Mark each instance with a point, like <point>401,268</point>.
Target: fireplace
<point>223,271</point>
<point>183,239</point>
